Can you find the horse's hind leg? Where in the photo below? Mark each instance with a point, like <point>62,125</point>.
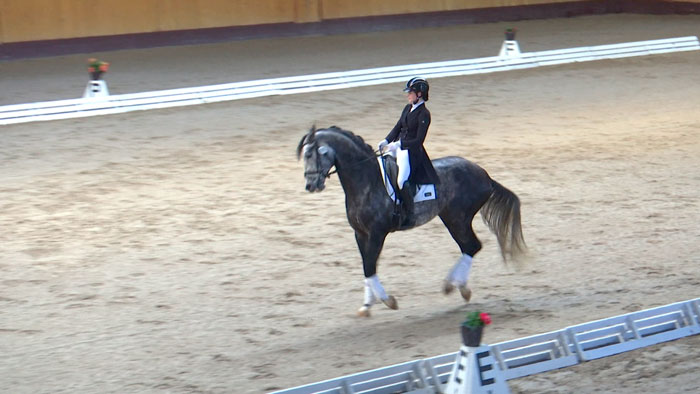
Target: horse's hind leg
<point>460,227</point>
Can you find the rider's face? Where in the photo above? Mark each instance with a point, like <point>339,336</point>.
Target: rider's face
<point>412,97</point>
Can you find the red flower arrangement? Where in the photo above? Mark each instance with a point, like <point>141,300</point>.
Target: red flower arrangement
<point>96,68</point>
<point>473,327</point>
<point>477,319</point>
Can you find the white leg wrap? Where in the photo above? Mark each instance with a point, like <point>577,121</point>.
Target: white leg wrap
<point>404,167</point>
<point>369,296</point>
<point>459,275</point>
<point>376,288</point>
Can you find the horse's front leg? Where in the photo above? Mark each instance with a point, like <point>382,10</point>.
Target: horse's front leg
<point>370,247</point>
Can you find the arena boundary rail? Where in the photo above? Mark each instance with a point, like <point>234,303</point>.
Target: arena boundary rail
<point>530,355</point>
<point>93,106</point>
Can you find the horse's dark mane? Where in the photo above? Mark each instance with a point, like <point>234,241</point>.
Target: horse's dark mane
<point>356,138</point>
<point>359,141</point>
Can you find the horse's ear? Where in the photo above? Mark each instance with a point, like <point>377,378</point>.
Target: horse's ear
<point>308,138</point>
<point>300,146</point>
<point>312,132</point>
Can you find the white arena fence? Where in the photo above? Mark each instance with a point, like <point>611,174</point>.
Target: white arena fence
<point>527,356</point>
<point>507,60</point>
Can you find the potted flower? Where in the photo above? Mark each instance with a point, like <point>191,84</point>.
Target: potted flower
<point>96,68</point>
<point>473,327</point>
<point>510,34</point>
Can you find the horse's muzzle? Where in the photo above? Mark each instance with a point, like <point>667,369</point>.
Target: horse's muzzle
<point>317,186</point>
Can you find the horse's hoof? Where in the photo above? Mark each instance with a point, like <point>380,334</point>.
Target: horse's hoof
<point>447,287</point>
<point>391,303</point>
<point>466,293</point>
<point>363,312</point>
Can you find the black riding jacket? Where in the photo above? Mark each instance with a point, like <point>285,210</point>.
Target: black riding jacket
<point>411,129</point>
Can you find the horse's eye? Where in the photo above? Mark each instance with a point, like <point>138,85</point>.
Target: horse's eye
<point>323,150</point>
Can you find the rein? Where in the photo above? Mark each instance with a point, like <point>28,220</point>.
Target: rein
<point>356,163</point>
<point>329,172</point>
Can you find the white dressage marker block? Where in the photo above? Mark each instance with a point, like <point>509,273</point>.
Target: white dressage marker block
<point>510,48</point>
<point>96,89</point>
<point>476,372</point>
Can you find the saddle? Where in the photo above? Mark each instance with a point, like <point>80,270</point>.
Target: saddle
<point>390,171</point>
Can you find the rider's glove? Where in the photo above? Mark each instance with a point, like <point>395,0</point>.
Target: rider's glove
<point>382,145</point>
<point>393,147</point>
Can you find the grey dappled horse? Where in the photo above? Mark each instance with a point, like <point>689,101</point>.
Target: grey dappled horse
<point>464,189</point>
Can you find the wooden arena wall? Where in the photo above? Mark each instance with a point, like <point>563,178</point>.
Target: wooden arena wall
<point>333,9</point>
<point>32,20</point>
<point>42,20</point>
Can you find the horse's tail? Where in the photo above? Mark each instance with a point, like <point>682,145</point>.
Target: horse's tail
<point>501,213</point>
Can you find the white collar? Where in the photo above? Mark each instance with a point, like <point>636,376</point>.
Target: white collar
<point>416,105</point>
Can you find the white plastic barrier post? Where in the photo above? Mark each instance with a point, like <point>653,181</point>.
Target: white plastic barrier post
<point>485,369</point>
<point>511,59</point>
<point>96,89</point>
<point>476,371</point>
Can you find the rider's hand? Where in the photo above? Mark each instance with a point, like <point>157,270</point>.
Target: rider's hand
<point>382,145</point>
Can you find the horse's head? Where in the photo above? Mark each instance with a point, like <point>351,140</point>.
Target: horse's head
<point>319,158</point>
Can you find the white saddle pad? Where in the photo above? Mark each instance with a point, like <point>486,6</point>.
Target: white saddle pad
<point>423,192</point>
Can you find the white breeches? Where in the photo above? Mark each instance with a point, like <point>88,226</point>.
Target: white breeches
<point>404,167</point>
<point>374,290</point>
<point>459,275</point>
<point>402,162</point>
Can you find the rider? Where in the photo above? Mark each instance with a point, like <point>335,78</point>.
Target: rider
<point>406,140</point>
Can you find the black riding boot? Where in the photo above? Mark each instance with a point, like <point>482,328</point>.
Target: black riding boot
<point>406,194</point>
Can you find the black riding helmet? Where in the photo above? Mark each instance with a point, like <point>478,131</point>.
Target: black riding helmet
<point>418,84</point>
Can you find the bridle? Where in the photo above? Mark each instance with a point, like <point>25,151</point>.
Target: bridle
<point>327,174</point>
